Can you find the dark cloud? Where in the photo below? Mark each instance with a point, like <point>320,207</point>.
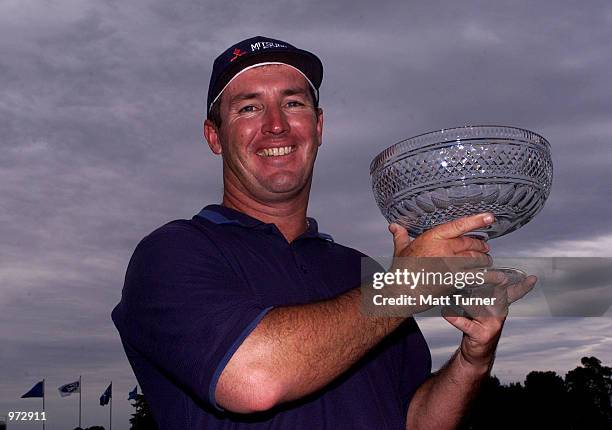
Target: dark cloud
<point>100,118</point>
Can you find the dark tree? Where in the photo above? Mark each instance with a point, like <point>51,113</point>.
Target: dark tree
<point>580,402</point>
<point>142,419</point>
<point>590,389</point>
<point>497,407</point>
<point>546,401</point>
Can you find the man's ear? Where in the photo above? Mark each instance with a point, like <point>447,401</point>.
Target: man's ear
<point>212,137</point>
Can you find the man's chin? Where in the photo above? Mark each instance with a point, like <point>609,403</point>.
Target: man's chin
<point>282,194</point>
<point>281,190</point>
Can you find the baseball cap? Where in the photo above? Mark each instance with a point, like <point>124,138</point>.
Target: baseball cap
<point>258,51</point>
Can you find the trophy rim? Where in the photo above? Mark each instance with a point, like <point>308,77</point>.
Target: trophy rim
<point>383,156</point>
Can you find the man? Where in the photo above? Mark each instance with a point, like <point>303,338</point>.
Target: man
<point>246,316</point>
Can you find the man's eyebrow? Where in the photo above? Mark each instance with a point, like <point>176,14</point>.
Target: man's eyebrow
<point>243,96</point>
<point>294,91</point>
<point>253,95</point>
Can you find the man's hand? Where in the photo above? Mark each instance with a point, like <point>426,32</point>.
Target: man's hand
<point>445,240</point>
<point>481,333</point>
<point>443,399</point>
<point>480,338</point>
<point>436,251</point>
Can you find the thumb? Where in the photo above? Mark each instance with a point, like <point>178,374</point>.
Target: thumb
<point>455,319</point>
<point>401,238</point>
<point>462,225</point>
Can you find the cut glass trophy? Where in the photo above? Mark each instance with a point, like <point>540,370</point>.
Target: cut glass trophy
<point>439,176</point>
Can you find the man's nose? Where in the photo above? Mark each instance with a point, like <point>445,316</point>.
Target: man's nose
<point>275,121</point>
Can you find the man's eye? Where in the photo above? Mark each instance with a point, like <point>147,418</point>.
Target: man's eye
<point>249,108</point>
<point>294,103</point>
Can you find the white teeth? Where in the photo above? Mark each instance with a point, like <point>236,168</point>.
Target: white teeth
<point>274,152</point>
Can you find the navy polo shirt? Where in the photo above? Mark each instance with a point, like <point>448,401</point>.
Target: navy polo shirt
<point>195,289</point>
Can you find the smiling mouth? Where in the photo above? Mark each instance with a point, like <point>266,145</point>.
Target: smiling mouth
<point>276,152</point>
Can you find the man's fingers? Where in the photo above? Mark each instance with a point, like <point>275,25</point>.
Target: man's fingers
<point>473,260</point>
<point>465,243</point>
<point>401,238</point>
<point>517,291</point>
<point>462,226</point>
<point>466,325</point>
<point>495,278</point>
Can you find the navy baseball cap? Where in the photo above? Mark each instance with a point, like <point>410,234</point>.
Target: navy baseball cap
<point>258,51</point>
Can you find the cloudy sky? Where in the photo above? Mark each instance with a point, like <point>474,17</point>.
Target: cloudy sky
<point>101,105</point>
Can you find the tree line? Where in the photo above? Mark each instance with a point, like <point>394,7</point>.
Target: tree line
<point>545,400</point>
<point>581,400</point>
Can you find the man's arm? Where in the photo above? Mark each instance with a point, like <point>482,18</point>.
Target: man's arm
<point>297,350</point>
<point>443,400</point>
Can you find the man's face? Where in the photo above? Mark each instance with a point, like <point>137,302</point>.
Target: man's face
<point>269,133</point>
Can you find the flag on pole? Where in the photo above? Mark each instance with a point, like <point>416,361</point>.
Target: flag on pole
<point>132,394</point>
<point>68,389</point>
<point>37,390</point>
<point>106,396</point>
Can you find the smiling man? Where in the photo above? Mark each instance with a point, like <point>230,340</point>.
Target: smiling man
<point>268,153</point>
<point>246,316</point>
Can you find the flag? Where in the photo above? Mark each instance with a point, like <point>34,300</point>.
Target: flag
<point>132,395</point>
<point>37,390</point>
<point>68,389</point>
<point>106,396</point>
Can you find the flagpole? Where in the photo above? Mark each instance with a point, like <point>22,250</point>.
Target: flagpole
<point>80,391</point>
<point>110,426</point>
<point>43,421</point>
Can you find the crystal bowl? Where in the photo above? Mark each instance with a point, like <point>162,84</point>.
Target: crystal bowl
<point>439,176</point>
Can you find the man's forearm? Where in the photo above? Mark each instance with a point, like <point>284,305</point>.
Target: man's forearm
<point>296,350</point>
<point>442,400</point>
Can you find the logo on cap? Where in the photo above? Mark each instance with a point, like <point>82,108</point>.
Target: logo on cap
<point>237,53</point>
<point>265,45</point>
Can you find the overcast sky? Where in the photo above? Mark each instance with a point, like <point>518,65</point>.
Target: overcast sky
<point>101,105</point>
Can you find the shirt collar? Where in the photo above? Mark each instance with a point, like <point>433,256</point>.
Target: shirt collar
<point>223,215</point>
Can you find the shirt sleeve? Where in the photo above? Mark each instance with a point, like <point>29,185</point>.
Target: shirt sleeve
<point>184,308</point>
